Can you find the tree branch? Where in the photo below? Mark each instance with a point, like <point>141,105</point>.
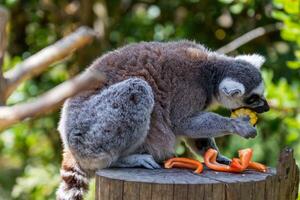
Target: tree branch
<point>40,61</point>
<point>3,39</point>
<point>249,36</point>
<point>51,100</point>
<point>3,44</point>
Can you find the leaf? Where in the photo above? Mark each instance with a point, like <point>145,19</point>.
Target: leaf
<point>226,1</point>
<point>236,8</point>
<point>291,6</point>
<point>297,54</point>
<point>280,15</point>
<point>293,64</point>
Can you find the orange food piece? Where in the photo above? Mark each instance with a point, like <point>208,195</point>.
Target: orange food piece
<point>243,162</point>
<point>257,166</point>
<point>181,165</point>
<point>245,157</point>
<point>210,160</point>
<point>184,163</point>
<point>237,165</point>
<point>197,169</point>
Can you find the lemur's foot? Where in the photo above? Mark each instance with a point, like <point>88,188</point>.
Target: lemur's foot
<point>137,160</point>
<point>223,159</point>
<point>147,161</point>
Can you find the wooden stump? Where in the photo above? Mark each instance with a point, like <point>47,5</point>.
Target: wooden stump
<point>177,184</point>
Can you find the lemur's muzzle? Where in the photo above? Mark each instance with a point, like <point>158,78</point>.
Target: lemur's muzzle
<point>264,108</point>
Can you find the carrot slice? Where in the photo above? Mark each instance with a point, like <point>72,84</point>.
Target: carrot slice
<point>236,164</point>
<point>245,157</point>
<point>257,166</point>
<point>210,158</point>
<point>184,163</point>
<point>184,160</point>
<point>245,161</point>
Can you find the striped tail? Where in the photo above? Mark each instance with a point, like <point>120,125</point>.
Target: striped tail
<point>74,181</point>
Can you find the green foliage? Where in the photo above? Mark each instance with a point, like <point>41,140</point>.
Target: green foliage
<point>38,182</point>
<point>30,152</point>
<point>288,11</point>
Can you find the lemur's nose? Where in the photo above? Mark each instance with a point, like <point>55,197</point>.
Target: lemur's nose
<point>267,107</point>
<point>264,108</point>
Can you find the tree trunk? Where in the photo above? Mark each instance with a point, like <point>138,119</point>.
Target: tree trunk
<point>176,184</point>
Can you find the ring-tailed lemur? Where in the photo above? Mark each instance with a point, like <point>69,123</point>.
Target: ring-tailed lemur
<point>154,92</point>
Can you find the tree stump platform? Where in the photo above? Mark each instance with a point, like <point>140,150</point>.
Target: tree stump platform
<point>178,184</point>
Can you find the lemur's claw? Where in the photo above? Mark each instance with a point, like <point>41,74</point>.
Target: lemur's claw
<point>137,160</point>
<point>148,162</point>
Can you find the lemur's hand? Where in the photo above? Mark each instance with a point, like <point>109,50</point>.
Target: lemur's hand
<point>243,127</point>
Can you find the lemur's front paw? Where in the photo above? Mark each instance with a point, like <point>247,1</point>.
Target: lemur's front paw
<point>243,127</point>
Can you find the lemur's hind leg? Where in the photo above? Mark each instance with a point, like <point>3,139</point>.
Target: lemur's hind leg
<point>112,127</point>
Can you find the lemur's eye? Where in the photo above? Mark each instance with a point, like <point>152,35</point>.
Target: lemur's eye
<point>253,98</point>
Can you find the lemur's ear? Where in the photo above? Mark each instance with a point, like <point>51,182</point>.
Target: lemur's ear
<point>231,88</point>
<point>254,59</point>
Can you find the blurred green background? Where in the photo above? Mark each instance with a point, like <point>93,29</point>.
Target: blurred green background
<point>30,152</point>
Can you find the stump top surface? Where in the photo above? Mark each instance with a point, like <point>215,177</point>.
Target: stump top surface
<point>181,176</point>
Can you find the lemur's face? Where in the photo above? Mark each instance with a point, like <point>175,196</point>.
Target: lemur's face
<point>245,87</point>
<point>256,100</point>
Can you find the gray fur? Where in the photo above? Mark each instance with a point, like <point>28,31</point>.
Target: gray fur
<point>207,124</point>
<point>112,123</point>
<point>174,83</point>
